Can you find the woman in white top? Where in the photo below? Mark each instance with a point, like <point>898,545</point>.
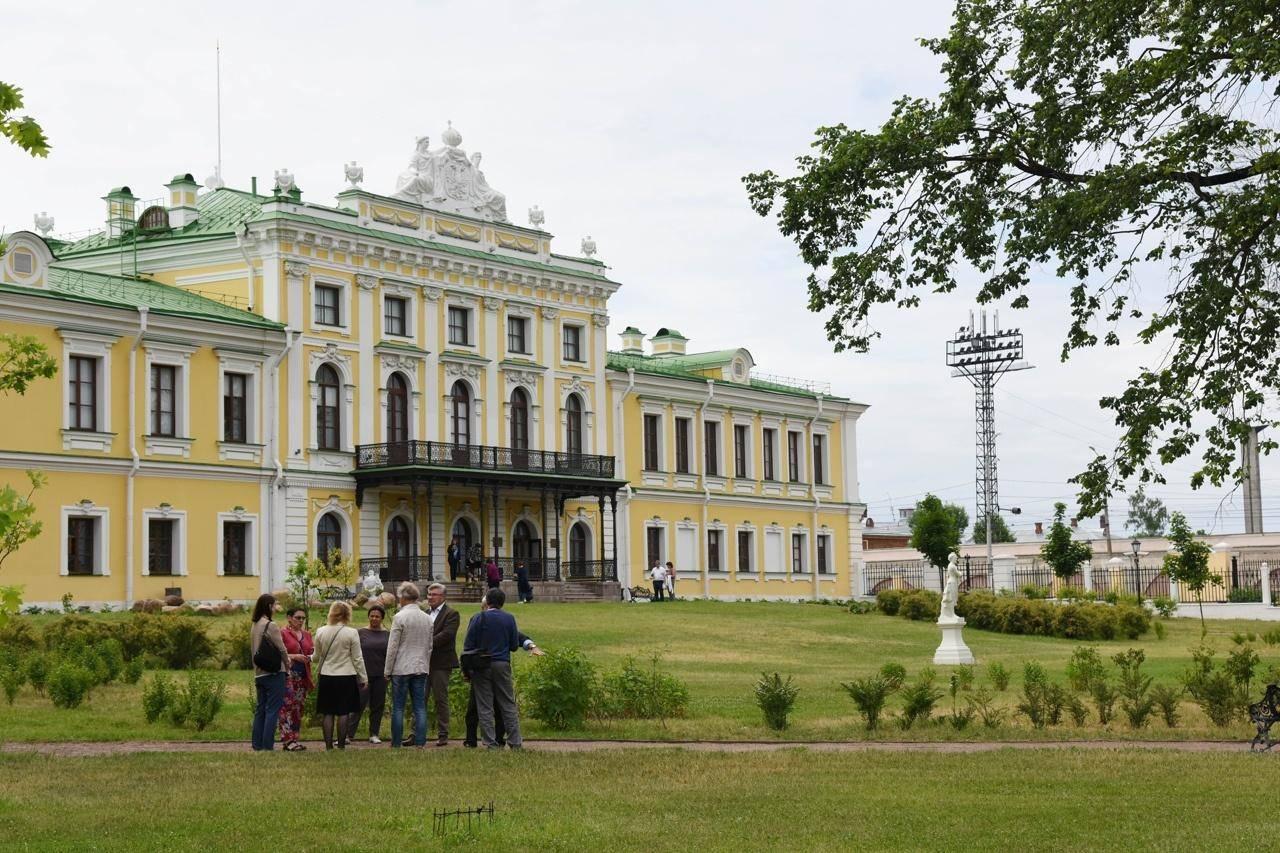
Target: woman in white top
<point>339,665</point>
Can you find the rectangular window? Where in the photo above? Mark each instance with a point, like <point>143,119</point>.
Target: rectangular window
<point>81,534</point>
<point>573,343</point>
<point>395,316</point>
<point>769,438</point>
<point>23,263</point>
<point>793,455</point>
<point>740,441</point>
<point>713,551</point>
<point>327,299</point>
<point>824,545</point>
<point>653,545</point>
<point>797,553</point>
<point>517,337</point>
<point>744,551</point>
<point>235,407</point>
<point>819,460</point>
<point>682,445</point>
<point>83,392</point>
<point>651,425</point>
<point>235,540</point>
<point>711,448</point>
<point>160,546</point>
<point>459,326</point>
<point>164,396</point>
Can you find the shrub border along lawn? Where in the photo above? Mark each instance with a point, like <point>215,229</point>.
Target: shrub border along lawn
<point>1010,614</point>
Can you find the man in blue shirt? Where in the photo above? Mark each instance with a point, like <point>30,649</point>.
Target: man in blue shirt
<point>493,631</point>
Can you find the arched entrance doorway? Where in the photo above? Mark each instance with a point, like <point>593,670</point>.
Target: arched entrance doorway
<point>464,549</point>
<point>579,551</point>
<point>399,549</point>
<point>527,548</point>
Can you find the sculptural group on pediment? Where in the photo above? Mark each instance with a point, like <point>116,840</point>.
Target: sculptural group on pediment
<point>446,178</point>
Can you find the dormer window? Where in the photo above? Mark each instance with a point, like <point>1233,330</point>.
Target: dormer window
<point>24,263</point>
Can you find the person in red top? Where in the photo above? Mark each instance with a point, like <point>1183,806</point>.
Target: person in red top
<point>297,640</point>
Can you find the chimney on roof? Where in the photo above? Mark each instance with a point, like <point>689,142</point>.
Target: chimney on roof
<point>871,522</point>
<point>182,200</point>
<point>668,342</point>
<point>632,341</point>
<point>121,211</point>
<point>1039,528</point>
<point>1074,523</point>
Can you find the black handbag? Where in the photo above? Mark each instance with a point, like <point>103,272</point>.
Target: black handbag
<point>267,656</point>
<point>476,661</point>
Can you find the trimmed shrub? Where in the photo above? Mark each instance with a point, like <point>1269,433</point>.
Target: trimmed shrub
<point>133,671</point>
<point>18,636</point>
<point>1165,606</point>
<point>999,675</point>
<point>73,630</point>
<point>918,700</point>
<point>895,674</point>
<point>1167,699</point>
<point>560,689</point>
<point>69,684</point>
<point>1132,621</point>
<point>775,699</point>
<point>203,697</point>
<point>889,600</point>
<point>921,605</point>
<point>188,642</point>
<point>235,649</point>
<point>1080,621</point>
<point>36,669</point>
<point>11,679</point>
<point>643,693</point>
<point>1212,688</point>
<point>869,695</point>
<point>1084,668</point>
<point>157,695</point>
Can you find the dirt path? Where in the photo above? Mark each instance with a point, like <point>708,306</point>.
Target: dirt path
<point>81,749</point>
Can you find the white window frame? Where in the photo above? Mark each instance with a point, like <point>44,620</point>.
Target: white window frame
<point>715,527</point>
<point>251,366</point>
<point>582,359</point>
<point>21,255</point>
<point>745,484</point>
<point>472,343</point>
<point>780,568</point>
<point>825,473</point>
<point>406,365</point>
<point>664,545</point>
<point>650,476</point>
<point>97,346</point>
<point>250,543</point>
<point>344,305</point>
<point>805,568</point>
<point>831,558</point>
<point>179,356</point>
<point>101,537</point>
<point>527,322</point>
<point>753,555</point>
<point>410,312</point>
<point>179,539</point>
<point>715,419</point>
<point>802,457</point>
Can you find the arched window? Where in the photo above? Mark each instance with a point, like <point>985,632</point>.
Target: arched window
<point>397,409</point>
<point>398,539</point>
<point>519,420</point>
<point>527,549</point>
<point>573,424</point>
<point>578,550</point>
<point>328,535</point>
<point>328,414</point>
<point>461,414</point>
<point>460,549</point>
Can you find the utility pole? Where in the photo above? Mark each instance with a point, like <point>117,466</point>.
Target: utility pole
<point>982,354</point>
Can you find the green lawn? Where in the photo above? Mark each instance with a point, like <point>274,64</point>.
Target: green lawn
<point>719,649</point>
<point>642,800</point>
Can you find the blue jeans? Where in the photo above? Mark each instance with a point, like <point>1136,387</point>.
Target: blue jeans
<point>266,713</point>
<point>416,687</point>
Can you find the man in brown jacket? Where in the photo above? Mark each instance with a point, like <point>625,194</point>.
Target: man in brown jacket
<point>444,656</point>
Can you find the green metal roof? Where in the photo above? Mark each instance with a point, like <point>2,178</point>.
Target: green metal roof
<point>686,367</point>
<point>117,291</point>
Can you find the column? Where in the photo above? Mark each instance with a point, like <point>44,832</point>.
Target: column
<point>550,390</point>
<point>430,536</point>
<point>1265,577</point>
<point>599,355</point>
<point>542,518</point>
<point>431,343</point>
<point>559,499</point>
<point>497,526</point>
<point>367,381</point>
<point>493,408</point>
<point>613,511</point>
<point>295,273</point>
<point>601,497</point>
<point>1002,572</point>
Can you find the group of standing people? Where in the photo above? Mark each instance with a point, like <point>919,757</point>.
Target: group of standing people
<point>352,669</point>
<point>664,580</point>
<point>456,555</point>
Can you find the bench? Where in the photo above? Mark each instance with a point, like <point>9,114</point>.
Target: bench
<point>1263,714</point>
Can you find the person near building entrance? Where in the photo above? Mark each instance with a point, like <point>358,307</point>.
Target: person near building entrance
<point>524,589</point>
<point>492,573</point>
<point>455,558</point>
<point>444,656</point>
<point>408,662</point>
<point>658,574</point>
<point>492,636</point>
<point>671,580</point>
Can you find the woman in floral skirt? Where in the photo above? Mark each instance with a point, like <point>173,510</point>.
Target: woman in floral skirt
<point>298,642</point>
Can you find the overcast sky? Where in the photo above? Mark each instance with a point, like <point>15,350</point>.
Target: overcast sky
<point>631,122</point>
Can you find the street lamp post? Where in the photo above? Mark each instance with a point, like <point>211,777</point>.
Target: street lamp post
<point>1013,510</point>
<point>1137,578</point>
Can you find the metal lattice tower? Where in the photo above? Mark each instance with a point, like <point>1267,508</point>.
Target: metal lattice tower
<point>982,354</point>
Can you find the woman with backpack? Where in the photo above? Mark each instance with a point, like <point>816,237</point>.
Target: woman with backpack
<point>270,663</point>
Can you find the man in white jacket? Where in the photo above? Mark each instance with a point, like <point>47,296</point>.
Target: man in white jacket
<point>408,662</point>
<point>658,574</point>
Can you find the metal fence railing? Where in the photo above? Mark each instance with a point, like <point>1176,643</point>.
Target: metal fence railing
<point>897,574</point>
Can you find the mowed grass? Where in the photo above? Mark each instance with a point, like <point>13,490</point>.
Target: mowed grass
<point>720,649</point>
<point>653,800</point>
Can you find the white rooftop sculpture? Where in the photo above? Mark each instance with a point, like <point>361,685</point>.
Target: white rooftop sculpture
<point>447,179</point>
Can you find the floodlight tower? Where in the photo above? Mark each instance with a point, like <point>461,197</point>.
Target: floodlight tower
<point>982,354</point>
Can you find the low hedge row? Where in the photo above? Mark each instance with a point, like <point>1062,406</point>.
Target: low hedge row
<point>170,641</point>
<point>1012,615</point>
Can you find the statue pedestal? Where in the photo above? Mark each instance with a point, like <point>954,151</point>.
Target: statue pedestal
<point>952,651</point>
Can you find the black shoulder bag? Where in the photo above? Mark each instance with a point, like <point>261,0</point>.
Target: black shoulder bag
<point>267,656</point>
<point>477,661</point>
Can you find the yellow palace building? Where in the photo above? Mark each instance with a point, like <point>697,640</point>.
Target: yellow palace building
<point>403,378</point>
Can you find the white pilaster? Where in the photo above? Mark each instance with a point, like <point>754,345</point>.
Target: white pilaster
<point>295,273</point>
<point>599,340</point>
<point>367,381</point>
<point>370,525</point>
<point>550,393</point>
<point>431,343</point>
<point>496,402</point>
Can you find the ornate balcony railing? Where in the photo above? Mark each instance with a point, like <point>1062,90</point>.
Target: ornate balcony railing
<point>482,457</point>
<point>589,570</point>
<point>398,569</point>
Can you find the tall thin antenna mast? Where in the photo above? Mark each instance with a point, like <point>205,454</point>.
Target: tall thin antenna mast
<point>217,49</point>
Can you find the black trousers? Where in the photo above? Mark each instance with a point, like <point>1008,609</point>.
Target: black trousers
<point>659,590</point>
<point>473,722</point>
<point>373,698</point>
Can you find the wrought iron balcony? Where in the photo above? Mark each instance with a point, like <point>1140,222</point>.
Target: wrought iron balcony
<point>397,569</point>
<point>590,570</point>
<point>441,454</point>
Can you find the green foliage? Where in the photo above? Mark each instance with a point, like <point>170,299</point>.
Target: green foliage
<point>1165,606</point>
<point>869,695</point>
<point>1135,702</point>
<point>1188,562</point>
<point>964,676</point>
<point>1097,139</point>
<point>23,360</point>
<point>860,608</point>
<point>1148,516</point>
<point>921,605</point>
<point>74,630</point>
<point>999,530</point>
<point>18,524</point>
<point>1036,695</point>
<point>1082,621</point>
<point>1079,713</point>
<point>889,600</point>
<point>1159,629</point>
<point>919,699</point>
<point>560,689</point>
<point>1104,696</point>
<point>187,642</point>
<point>999,675</point>
<point>643,693</point>
<point>1166,699</point>
<point>157,696</point>
<point>1241,664</point>
<point>12,676</point>
<point>895,674</point>
<point>775,699</point>
<point>1062,553</point>
<point>1212,688</point>
<point>200,701</point>
<point>18,636</point>
<point>936,529</point>
<point>1031,590</point>
<point>234,648</point>
<point>982,702</point>
<point>1245,595</point>
<point>1084,668</point>
<point>22,131</point>
<point>133,671</point>
<point>69,684</point>
<point>10,603</point>
<point>36,669</point>
<point>1272,637</point>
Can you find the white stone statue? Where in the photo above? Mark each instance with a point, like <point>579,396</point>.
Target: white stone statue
<point>951,592</point>
<point>44,223</point>
<point>354,173</point>
<point>417,183</point>
<point>284,181</point>
<point>489,202</point>
<point>537,216</point>
<point>214,181</point>
<point>371,583</point>
<point>588,246</point>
